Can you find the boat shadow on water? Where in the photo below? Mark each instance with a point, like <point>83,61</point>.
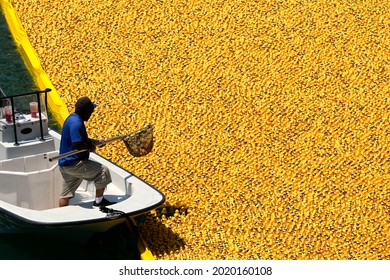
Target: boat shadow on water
<point>118,243</point>
<point>161,240</point>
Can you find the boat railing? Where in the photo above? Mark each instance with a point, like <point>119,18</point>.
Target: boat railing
<point>9,101</point>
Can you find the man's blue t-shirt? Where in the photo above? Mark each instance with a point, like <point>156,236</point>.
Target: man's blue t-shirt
<point>73,131</point>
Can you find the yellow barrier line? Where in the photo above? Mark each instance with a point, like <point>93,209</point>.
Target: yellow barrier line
<point>56,105</point>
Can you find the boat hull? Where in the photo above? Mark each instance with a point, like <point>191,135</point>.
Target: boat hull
<point>34,209</point>
<point>75,233</point>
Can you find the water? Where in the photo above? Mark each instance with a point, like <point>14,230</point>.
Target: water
<point>115,244</point>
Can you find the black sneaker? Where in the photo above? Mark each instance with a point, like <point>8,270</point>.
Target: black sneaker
<point>104,202</point>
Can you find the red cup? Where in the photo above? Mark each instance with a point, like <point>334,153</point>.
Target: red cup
<point>34,109</point>
<point>8,113</point>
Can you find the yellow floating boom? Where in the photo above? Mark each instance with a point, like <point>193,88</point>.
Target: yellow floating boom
<point>56,105</point>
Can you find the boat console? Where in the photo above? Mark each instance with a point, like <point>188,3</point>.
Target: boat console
<point>24,125</point>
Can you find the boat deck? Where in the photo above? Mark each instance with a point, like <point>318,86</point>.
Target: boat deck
<point>85,194</point>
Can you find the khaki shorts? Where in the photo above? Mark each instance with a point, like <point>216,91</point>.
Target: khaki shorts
<point>88,170</point>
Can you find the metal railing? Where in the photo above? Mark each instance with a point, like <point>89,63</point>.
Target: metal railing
<point>37,94</point>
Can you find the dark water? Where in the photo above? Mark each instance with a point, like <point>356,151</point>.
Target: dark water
<point>117,243</point>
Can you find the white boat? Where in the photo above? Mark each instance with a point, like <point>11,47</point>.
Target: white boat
<point>30,183</point>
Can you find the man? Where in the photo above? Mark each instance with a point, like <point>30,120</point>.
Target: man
<point>79,167</point>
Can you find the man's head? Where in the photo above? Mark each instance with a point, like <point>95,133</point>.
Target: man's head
<point>84,108</point>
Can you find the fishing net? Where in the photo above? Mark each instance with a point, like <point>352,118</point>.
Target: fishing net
<point>140,143</point>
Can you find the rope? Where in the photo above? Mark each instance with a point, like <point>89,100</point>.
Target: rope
<point>112,213</point>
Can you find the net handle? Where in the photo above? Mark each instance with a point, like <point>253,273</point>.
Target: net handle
<point>123,136</point>
<point>119,137</point>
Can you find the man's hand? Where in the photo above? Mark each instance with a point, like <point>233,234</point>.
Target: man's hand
<point>99,143</point>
